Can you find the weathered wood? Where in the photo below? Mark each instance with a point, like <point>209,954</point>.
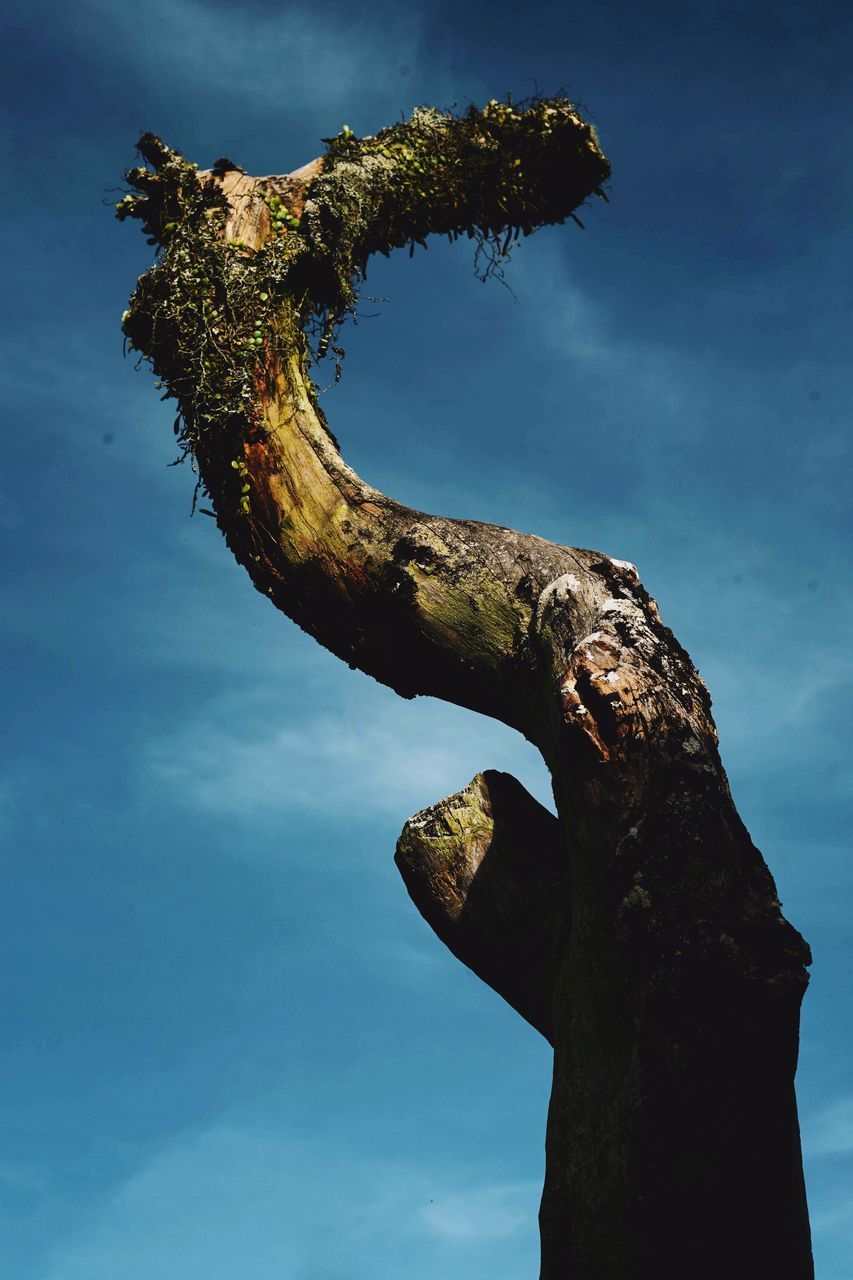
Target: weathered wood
<point>487,870</point>
<point>640,931</point>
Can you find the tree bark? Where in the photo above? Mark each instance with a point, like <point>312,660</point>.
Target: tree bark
<point>487,870</point>
<point>640,930</point>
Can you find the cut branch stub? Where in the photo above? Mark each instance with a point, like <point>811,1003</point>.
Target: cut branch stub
<point>487,870</point>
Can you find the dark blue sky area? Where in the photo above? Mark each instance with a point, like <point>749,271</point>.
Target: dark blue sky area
<point>231,1047</point>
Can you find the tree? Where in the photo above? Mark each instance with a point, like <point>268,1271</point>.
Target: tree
<point>640,930</point>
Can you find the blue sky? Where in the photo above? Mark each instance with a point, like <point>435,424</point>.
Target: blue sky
<point>231,1047</point>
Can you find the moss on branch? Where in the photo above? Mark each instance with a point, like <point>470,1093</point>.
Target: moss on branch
<point>218,317</point>
<point>492,174</point>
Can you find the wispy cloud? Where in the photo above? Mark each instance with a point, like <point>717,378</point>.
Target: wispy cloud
<point>483,1213</point>
<point>272,62</point>
<point>832,1235</point>
<point>831,1131</point>
<point>234,1201</point>
<point>628,375</point>
<point>695,410</point>
<point>369,753</point>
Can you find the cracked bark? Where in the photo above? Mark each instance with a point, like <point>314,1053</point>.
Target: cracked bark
<point>640,930</point>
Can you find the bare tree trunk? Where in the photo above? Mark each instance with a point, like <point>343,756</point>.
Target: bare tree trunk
<point>639,931</point>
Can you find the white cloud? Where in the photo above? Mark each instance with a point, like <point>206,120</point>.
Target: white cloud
<point>368,753</point>
<point>629,376</point>
<point>226,1202</point>
<point>484,1213</point>
<point>234,1200</point>
<point>289,56</point>
<point>831,1131</point>
<point>840,1215</point>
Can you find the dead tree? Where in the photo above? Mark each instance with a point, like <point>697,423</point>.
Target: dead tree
<point>639,931</point>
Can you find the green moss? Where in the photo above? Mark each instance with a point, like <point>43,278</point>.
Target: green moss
<point>209,310</point>
<point>493,174</point>
<point>211,315</point>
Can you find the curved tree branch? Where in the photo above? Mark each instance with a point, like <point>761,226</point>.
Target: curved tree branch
<point>426,605</point>
<point>663,970</point>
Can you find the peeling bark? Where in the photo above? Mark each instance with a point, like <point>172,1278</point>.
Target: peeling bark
<point>640,930</point>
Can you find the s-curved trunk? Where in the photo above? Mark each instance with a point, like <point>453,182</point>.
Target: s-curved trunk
<point>640,930</point>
